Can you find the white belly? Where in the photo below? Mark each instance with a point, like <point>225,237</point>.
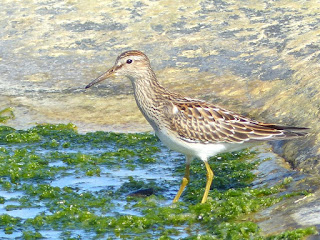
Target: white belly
<point>202,151</point>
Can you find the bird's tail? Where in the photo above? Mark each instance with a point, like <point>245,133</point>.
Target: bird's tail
<point>289,132</point>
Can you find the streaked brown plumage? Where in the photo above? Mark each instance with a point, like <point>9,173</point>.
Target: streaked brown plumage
<point>192,127</point>
<point>197,121</point>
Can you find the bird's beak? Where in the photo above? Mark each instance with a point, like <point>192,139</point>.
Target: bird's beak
<point>104,76</point>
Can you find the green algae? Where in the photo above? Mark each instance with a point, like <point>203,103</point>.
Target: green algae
<point>9,223</point>
<point>30,164</point>
<point>22,164</point>
<point>294,234</point>
<point>6,114</point>
<point>31,235</point>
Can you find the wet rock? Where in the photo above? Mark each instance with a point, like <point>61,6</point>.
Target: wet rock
<point>142,192</point>
<point>260,59</point>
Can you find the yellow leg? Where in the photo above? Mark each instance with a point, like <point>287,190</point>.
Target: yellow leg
<point>184,183</point>
<point>209,181</point>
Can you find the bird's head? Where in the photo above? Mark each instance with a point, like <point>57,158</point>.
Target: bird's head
<point>131,64</point>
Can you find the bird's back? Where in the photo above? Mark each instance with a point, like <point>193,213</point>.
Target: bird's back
<point>197,121</point>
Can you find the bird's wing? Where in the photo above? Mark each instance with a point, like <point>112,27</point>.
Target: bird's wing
<point>196,121</point>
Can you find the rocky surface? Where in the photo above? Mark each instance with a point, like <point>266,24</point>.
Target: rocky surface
<point>258,58</point>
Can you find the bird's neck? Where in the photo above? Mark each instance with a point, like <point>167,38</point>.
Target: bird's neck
<point>146,86</point>
<point>148,94</point>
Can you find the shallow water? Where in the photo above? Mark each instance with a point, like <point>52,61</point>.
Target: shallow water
<point>56,180</point>
<point>236,54</point>
<point>251,57</point>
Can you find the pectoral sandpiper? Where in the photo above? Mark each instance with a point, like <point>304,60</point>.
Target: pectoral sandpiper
<point>193,127</point>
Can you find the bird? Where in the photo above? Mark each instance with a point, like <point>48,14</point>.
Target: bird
<point>195,128</point>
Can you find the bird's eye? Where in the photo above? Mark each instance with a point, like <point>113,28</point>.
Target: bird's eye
<point>129,61</point>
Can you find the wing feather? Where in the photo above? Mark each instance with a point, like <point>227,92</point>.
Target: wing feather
<point>197,121</point>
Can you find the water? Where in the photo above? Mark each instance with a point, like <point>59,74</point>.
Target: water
<point>225,53</point>
<point>252,57</point>
<point>112,178</point>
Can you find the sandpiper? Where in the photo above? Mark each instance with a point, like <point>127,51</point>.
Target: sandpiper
<point>192,127</point>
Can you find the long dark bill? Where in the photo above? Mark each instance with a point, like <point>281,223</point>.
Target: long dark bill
<point>104,76</point>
